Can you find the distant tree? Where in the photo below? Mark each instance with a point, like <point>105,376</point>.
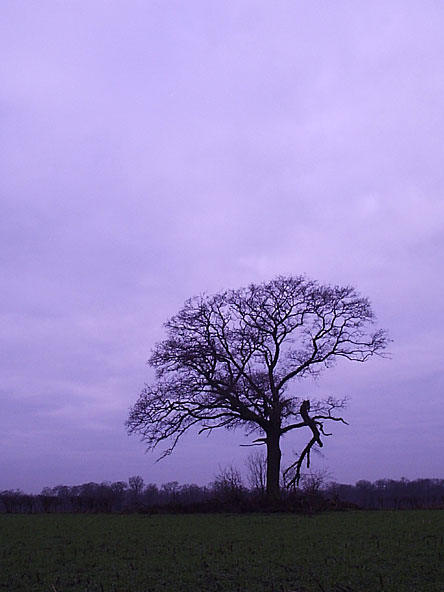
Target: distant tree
<point>12,499</point>
<point>192,493</point>
<point>257,471</point>
<point>136,484</point>
<point>170,491</point>
<point>151,494</point>
<point>229,360</point>
<point>314,481</point>
<point>62,491</point>
<point>228,485</point>
<point>119,487</point>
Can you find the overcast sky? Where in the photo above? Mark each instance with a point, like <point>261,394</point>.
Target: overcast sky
<point>152,150</point>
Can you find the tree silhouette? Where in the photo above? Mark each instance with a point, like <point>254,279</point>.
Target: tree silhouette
<point>230,359</point>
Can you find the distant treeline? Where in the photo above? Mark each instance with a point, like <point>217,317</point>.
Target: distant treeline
<point>390,494</point>
<point>226,493</point>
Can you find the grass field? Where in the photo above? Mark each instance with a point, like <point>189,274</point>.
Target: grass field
<point>345,551</point>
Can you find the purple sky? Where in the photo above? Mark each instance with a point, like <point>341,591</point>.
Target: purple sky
<point>156,149</point>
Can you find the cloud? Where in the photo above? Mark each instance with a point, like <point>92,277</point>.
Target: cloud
<point>156,151</point>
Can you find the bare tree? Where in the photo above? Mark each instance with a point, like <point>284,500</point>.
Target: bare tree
<point>136,485</point>
<point>315,481</point>
<point>230,359</point>
<point>228,483</point>
<point>257,471</point>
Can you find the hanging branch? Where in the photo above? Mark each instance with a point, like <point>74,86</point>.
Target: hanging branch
<point>317,428</point>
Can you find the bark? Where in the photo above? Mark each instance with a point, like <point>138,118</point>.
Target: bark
<point>273,466</point>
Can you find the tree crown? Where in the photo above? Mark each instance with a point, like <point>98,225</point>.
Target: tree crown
<point>229,358</point>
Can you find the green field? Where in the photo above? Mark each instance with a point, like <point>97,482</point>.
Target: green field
<point>343,551</point>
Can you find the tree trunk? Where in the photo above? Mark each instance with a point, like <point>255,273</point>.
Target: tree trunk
<point>273,466</point>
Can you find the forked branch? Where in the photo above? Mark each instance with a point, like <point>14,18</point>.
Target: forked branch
<point>317,428</point>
